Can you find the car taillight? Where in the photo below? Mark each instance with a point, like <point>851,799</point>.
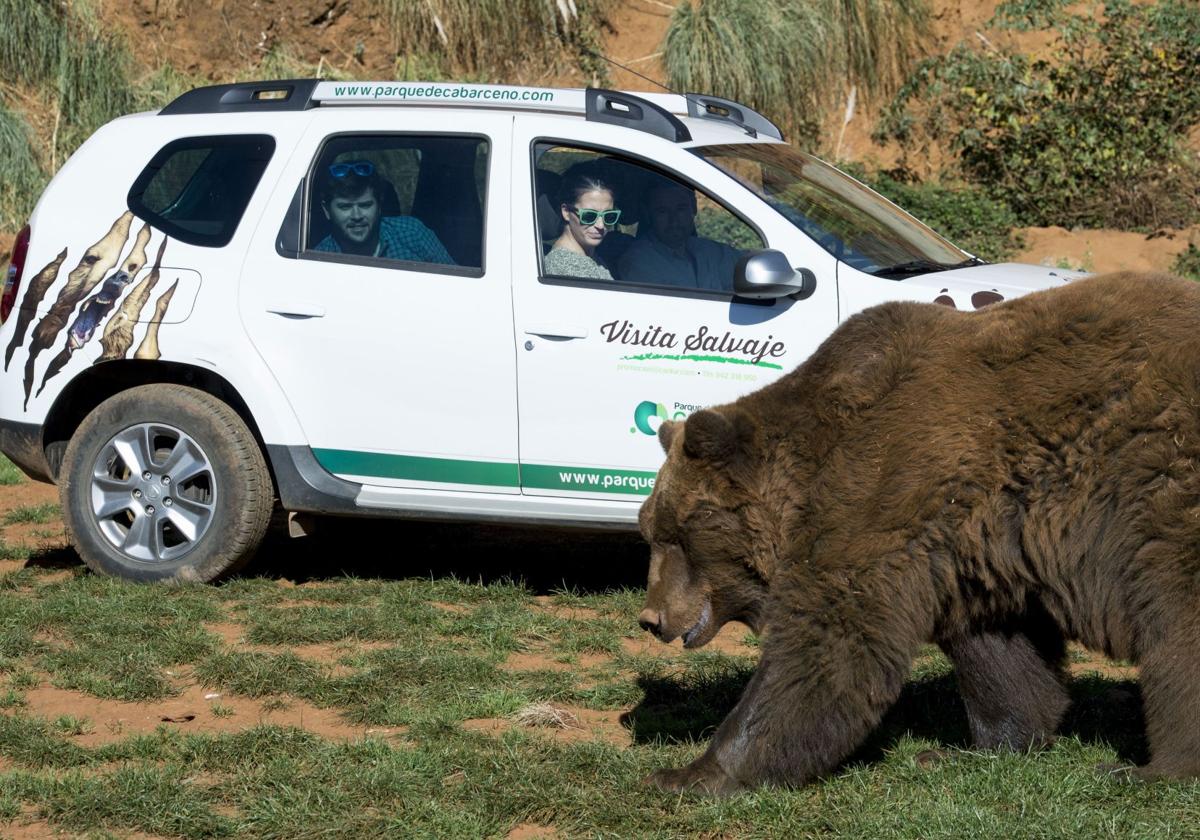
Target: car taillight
<point>12,280</point>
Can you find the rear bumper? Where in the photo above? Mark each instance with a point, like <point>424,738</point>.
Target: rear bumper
<point>22,443</point>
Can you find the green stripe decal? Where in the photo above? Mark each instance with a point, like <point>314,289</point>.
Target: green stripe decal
<point>485,473</point>
<point>413,468</point>
<point>587,479</point>
<point>691,357</point>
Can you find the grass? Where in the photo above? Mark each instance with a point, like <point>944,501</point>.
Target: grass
<point>31,514</point>
<point>794,61</point>
<point>515,41</point>
<point>425,654</point>
<point>10,474</point>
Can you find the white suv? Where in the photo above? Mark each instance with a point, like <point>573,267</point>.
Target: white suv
<point>413,299</point>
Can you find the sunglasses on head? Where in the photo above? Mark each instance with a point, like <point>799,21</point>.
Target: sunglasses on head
<point>588,217</point>
<point>363,168</point>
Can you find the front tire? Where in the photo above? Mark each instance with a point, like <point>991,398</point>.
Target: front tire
<point>165,482</point>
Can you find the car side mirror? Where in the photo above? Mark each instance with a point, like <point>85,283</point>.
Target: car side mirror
<point>768,274</point>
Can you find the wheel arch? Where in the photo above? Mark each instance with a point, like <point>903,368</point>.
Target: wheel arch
<point>99,382</point>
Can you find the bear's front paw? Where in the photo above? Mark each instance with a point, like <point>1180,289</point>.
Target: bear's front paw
<point>704,776</point>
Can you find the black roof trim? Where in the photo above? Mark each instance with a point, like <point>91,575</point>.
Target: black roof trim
<point>615,108</point>
<point>707,107</point>
<point>245,96</point>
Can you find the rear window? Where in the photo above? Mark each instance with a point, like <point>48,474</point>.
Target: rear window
<point>196,189</point>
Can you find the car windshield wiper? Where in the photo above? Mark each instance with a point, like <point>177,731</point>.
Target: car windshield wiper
<point>923,267</point>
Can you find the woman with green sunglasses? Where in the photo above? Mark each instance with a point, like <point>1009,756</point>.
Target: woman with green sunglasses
<point>587,208</point>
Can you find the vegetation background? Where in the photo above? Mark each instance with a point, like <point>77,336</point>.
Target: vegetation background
<point>434,682</point>
<point>1040,130</point>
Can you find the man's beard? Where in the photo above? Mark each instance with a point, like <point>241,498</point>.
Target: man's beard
<point>366,247</point>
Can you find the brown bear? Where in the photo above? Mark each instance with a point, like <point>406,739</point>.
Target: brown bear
<point>993,481</point>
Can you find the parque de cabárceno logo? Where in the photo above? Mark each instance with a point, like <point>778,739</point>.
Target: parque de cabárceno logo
<point>649,415</point>
<point>701,345</point>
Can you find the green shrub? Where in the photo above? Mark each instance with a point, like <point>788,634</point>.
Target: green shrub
<point>1187,264</point>
<point>1092,139</point>
<point>791,60</point>
<point>965,215</point>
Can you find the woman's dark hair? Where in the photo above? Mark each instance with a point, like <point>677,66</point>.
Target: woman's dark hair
<point>581,178</point>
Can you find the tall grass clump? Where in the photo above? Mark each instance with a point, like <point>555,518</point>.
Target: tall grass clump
<point>58,51</point>
<point>21,177</point>
<point>499,40</point>
<point>792,59</point>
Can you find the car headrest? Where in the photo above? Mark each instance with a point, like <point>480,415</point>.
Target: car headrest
<point>549,220</point>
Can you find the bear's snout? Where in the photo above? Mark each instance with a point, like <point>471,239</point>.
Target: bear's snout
<point>650,620</point>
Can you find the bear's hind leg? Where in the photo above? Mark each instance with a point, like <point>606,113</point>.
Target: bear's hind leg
<point>1012,690</point>
<point>1170,679</point>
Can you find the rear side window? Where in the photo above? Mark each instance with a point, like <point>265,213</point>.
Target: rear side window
<point>403,201</point>
<point>196,189</point>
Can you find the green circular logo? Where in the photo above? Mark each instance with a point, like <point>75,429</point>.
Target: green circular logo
<point>645,411</point>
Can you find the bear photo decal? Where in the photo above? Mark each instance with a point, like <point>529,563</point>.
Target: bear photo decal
<point>998,482</point>
<point>91,272</point>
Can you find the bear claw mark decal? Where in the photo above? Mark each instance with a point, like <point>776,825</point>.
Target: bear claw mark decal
<point>148,349</point>
<point>118,332</point>
<point>96,307</point>
<point>94,264</point>
<point>33,296</point>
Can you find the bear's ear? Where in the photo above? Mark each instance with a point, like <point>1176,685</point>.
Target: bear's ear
<point>710,435</point>
<point>666,434</point>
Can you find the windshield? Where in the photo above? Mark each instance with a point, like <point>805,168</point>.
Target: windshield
<point>850,221</point>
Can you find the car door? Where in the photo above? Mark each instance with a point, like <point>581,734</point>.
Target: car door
<point>396,351</point>
<point>602,361</point>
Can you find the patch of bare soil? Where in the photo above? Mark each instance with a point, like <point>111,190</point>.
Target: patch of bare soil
<point>1086,662</point>
<point>457,609</point>
<point>538,660</point>
<point>730,640</point>
<point>532,831</point>
<point>571,724</point>
<point>545,603</point>
<point>1105,250</point>
<point>636,29</point>
<point>212,39</point>
<point>26,494</point>
<point>196,710</point>
<point>327,654</point>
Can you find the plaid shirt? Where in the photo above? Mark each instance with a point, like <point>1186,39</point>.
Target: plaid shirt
<point>401,238</point>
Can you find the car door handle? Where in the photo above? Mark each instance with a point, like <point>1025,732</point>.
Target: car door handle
<point>557,331</point>
<point>296,309</point>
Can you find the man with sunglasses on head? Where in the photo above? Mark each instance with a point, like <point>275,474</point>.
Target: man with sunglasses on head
<point>351,195</point>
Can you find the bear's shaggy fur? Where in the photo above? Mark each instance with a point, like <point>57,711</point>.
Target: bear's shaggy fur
<point>994,481</point>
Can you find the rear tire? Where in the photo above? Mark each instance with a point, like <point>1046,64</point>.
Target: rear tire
<point>165,482</point>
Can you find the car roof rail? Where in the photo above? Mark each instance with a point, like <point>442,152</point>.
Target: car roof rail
<point>618,108</point>
<point>281,95</point>
<point>703,106</point>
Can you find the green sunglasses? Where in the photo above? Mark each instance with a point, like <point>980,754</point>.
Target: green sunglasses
<point>587,217</point>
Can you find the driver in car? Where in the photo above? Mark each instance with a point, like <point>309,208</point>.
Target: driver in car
<point>667,250</point>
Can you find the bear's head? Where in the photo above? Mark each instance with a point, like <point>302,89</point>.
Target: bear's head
<point>712,536</point>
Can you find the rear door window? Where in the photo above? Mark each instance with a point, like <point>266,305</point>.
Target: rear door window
<point>399,199</point>
<point>197,188</point>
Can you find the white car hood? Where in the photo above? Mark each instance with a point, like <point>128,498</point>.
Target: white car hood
<point>975,286</point>
<point>1019,277</point>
